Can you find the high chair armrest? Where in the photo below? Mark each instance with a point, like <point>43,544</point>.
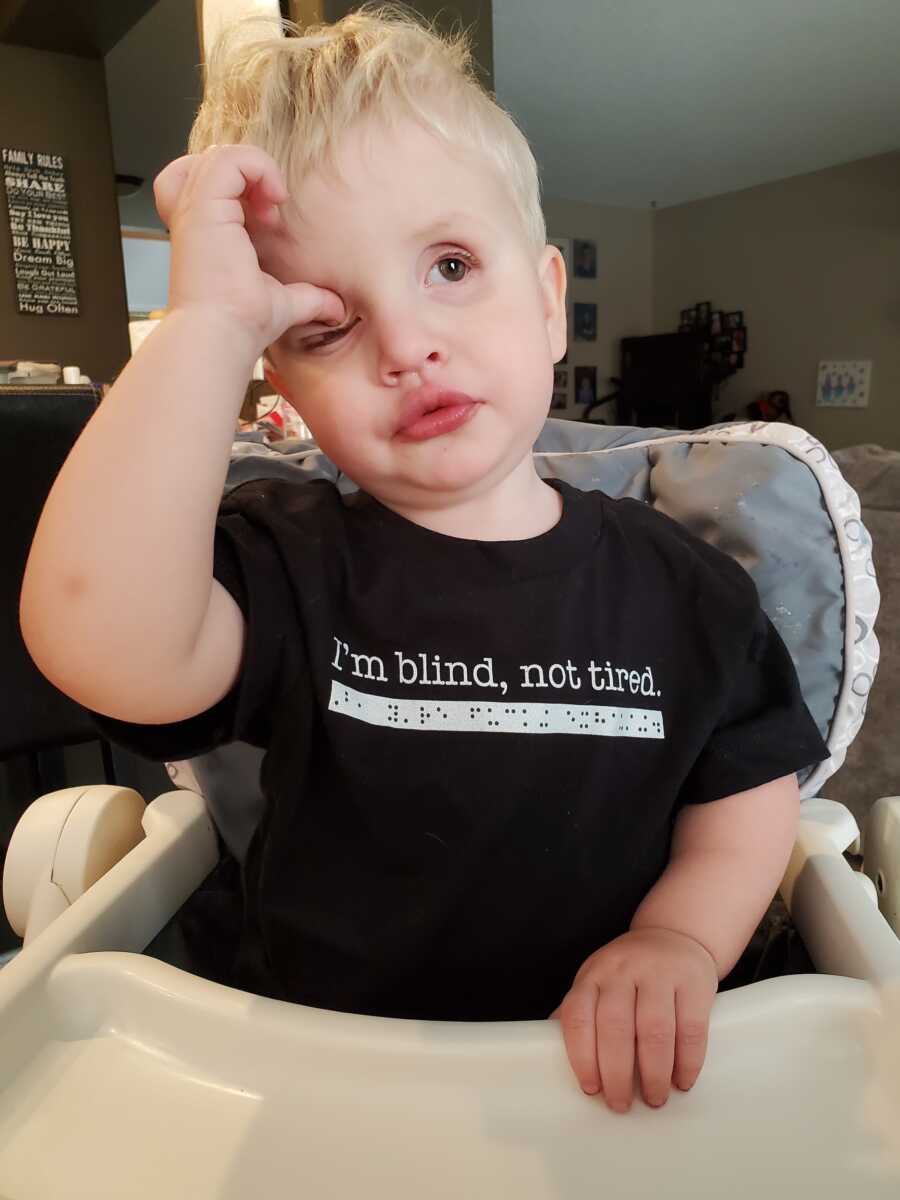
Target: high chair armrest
<point>133,900</point>
<point>831,904</point>
<point>881,856</point>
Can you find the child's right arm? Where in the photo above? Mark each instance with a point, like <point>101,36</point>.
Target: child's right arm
<point>119,607</point>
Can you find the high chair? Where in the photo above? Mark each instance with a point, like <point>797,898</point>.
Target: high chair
<point>122,1075</point>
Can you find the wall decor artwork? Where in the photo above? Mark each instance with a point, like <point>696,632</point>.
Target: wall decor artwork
<point>40,233</point>
<point>585,322</point>
<point>843,384</point>
<point>585,385</point>
<point>585,256</point>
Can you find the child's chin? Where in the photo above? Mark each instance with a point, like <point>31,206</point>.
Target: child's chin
<point>459,470</point>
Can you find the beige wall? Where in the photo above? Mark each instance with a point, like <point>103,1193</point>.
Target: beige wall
<point>622,290</point>
<point>814,262</point>
<point>56,104</point>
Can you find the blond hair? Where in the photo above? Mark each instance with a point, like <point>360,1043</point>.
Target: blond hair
<point>293,94</point>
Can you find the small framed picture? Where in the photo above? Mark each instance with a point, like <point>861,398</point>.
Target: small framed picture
<point>723,344</point>
<point>703,312</point>
<point>585,322</point>
<point>715,323</point>
<point>734,320</point>
<point>564,246</point>
<point>559,400</point>
<point>739,340</point>
<point>585,385</point>
<point>561,379</point>
<point>689,317</point>
<point>585,254</point>
<point>844,384</point>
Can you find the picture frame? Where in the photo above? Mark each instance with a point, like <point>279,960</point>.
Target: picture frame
<point>734,320</point>
<point>584,255</point>
<point>739,340</point>
<point>585,385</point>
<point>585,322</point>
<point>715,323</point>
<point>559,400</point>
<point>689,317</point>
<point>844,384</point>
<point>703,313</point>
<point>560,379</point>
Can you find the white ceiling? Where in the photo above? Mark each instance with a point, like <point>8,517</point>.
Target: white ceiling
<point>624,101</point>
<point>630,101</point>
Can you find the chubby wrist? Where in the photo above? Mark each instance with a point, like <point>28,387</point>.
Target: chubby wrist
<point>638,926</point>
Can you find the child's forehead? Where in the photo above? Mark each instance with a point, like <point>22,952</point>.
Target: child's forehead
<point>410,227</point>
<point>404,175</point>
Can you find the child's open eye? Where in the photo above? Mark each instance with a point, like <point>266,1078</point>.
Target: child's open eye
<point>460,263</point>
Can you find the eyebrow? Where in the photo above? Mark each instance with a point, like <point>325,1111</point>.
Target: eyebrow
<point>447,221</point>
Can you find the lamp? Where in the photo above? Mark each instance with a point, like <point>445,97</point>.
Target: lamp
<point>128,185</point>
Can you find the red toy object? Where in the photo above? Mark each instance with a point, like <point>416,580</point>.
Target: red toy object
<point>776,406</point>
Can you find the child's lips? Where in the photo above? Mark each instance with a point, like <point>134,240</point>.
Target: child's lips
<point>440,421</point>
<point>430,408</point>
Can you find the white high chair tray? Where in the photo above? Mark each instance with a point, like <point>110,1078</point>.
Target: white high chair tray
<point>121,1076</point>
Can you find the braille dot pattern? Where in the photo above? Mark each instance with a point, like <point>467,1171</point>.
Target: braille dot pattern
<point>457,716</point>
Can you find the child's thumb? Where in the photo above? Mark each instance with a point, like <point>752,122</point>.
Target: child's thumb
<point>314,305</point>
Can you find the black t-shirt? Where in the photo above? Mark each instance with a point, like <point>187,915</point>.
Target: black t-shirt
<point>475,750</point>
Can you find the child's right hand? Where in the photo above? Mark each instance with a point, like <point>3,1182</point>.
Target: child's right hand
<point>212,203</point>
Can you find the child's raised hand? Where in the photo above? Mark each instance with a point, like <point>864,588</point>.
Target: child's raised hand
<point>649,991</point>
<point>212,203</point>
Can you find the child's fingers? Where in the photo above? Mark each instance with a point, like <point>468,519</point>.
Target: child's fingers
<point>242,173</point>
<point>655,1035</point>
<point>169,184</point>
<point>264,201</point>
<point>615,1043</point>
<point>693,1005</point>
<point>577,1018</point>
<point>311,305</point>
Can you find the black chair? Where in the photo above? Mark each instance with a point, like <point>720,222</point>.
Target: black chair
<point>39,425</point>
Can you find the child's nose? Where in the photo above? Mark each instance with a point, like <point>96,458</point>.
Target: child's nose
<point>406,343</point>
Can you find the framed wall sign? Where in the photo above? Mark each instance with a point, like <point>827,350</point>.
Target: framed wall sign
<point>40,233</point>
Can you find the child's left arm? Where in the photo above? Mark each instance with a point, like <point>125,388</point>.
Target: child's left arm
<point>650,991</point>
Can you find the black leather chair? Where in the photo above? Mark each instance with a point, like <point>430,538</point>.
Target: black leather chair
<point>39,425</point>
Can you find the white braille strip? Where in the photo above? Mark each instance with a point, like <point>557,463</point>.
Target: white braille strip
<point>456,716</point>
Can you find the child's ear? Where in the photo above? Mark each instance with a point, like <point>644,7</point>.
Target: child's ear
<point>274,380</point>
<point>552,276</point>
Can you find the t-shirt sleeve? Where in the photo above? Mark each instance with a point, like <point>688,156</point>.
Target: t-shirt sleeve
<point>246,563</point>
<point>765,730</point>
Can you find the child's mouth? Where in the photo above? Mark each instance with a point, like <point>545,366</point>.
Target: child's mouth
<point>441,420</point>
<point>429,412</point>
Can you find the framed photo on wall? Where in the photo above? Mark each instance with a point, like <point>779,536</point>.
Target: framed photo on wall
<point>585,385</point>
<point>585,258</point>
<point>585,322</point>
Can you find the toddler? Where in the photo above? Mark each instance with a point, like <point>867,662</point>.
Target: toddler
<point>530,751</point>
